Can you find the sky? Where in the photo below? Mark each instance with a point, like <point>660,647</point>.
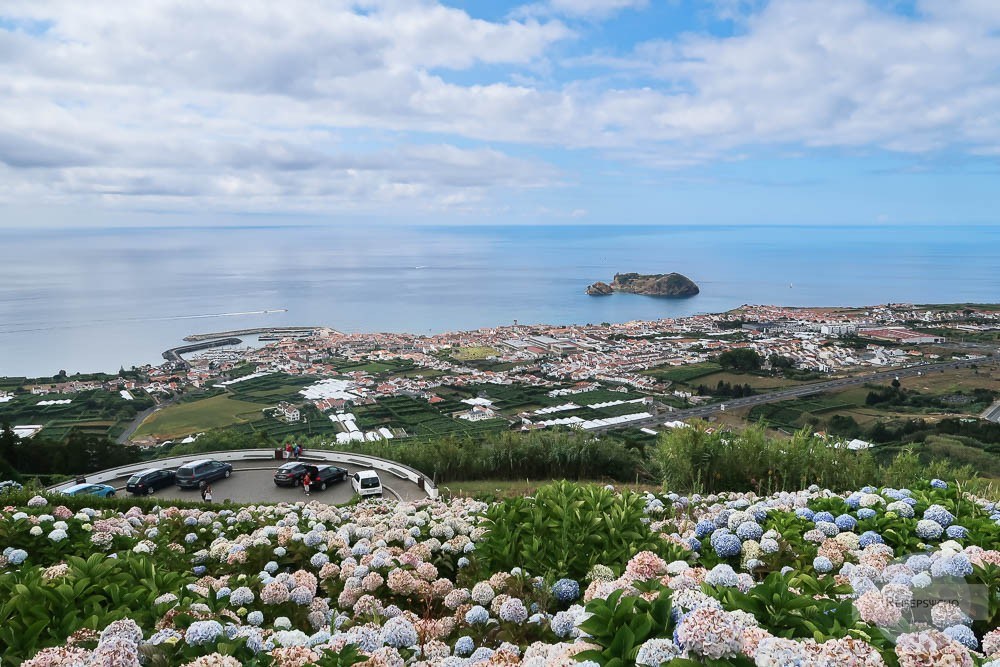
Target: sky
<point>172,112</point>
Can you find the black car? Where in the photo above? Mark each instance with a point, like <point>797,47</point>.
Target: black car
<point>148,481</point>
<point>291,474</point>
<point>191,475</point>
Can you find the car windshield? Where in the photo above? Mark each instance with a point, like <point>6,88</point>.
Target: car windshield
<point>369,482</point>
<point>135,479</point>
<point>288,467</point>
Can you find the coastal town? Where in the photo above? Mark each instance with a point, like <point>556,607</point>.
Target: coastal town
<point>606,376</point>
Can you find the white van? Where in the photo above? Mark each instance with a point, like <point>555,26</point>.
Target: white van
<point>366,483</point>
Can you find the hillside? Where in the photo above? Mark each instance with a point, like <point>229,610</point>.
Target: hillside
<point>730,579</point>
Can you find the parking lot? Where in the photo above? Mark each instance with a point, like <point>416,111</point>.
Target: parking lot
<point>252,482</point>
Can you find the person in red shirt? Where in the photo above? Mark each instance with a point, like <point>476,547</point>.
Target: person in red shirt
<point>306,481</point>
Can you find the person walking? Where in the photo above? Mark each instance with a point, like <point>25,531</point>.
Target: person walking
<point>306,482</point>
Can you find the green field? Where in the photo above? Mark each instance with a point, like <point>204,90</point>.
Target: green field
<point>197,416</point>
<point>684,373</point>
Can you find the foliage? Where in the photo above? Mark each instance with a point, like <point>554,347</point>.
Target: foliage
<point>93,593</point>
<point>620,624</point>
<point>566,529</point>
<point>694,459</point>
<point>741,359</point>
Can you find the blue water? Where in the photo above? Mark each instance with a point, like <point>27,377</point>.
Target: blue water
<point>85,300</point>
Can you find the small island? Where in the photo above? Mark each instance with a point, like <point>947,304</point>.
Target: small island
<point>670,285</point>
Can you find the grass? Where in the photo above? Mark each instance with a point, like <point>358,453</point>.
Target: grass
<point>684,373</point>
<point>474,353</point>
<point>756,381</point>
<point>187,418</point>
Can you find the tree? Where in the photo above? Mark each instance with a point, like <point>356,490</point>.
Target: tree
<point>742,359</point>
<point>780,361</point>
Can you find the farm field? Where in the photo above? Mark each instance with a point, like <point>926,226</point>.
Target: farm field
<point>473,353</point>
<point>187,418</point>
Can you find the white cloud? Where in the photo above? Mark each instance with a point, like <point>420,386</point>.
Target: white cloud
<point>315,106</point>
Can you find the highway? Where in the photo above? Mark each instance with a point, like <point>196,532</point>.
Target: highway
<point>814,388</point>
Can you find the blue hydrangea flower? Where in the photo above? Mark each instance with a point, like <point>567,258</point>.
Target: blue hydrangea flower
<point>191,537</point>
<point>846,522</point>
<point>727,546</point>
<point>828,528</point>
<point>566,590</point>
<point>869,537</point>
<point>952,566</point>
<point>722,575</point>
<point>477,615</point>
<point>694,543</point>
<point>749,530</point>
<point>866,513</point>
<point>464,646</point>
<point>902,508</point>
<point>198,570</point>
<point>822,516</point>
<point>318,560</point>
<point>804,513</point>
<point>399,632</point>
<point>940,515</point>
<point>854,500</point>
<point>16,556</point>
<point>241,597</point>
<point>957,532</point>
<point>222,593</point>
<point>704,528</point>
<point>919,563</point>
<point>963,635</point>
<point>271,567</point>
<point>655,652</point>
<point>202,632</point>
<point>928,529</point>
<point>563,624</point>
<point>463,562</point>
<point>822,564</point>
<point>939,484</point>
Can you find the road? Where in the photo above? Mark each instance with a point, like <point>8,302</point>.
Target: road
<point>252,483</point>
<point>809,389</point>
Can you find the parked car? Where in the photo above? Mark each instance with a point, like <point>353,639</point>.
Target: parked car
<point>148,481</point>
<point>366,483</point>
<point>291,474</point>
<point>102,490</point>
<point>191,475</point>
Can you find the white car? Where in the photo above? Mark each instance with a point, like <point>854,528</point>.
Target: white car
<point>366,483</point>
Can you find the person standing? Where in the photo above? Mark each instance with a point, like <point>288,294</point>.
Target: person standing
<point>296,451</point>
<point>306,481</point>
<point>206,493</point>
<point>288,450</point>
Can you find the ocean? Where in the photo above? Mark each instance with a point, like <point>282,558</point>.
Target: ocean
<point>86,300</point>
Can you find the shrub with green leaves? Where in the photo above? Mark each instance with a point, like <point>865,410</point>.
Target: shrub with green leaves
<point>566,529</point>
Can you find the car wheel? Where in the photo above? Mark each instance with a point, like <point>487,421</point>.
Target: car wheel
<point>322,486</point>
<point>228,473</point>
<point>150,491</point>
<point>111,493</point>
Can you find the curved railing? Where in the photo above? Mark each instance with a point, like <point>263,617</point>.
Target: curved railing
<point>327,456</point>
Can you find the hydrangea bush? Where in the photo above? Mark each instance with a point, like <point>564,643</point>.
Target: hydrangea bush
<point>806,578</point>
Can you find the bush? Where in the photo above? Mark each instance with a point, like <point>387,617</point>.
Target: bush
<point>566,529</point>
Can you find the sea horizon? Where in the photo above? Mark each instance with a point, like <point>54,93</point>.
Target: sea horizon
<point>88,299</point>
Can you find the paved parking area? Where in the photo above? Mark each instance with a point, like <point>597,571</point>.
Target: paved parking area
<point>252,482</point>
